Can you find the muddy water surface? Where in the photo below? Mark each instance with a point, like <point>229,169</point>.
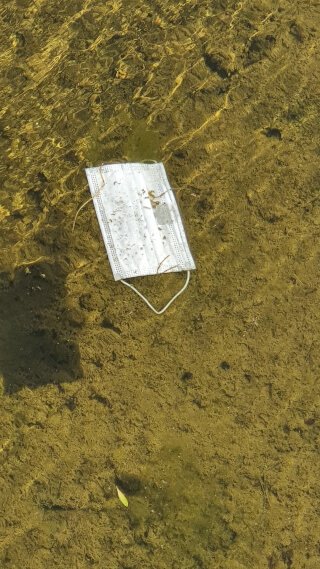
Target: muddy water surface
<point>207,418</point>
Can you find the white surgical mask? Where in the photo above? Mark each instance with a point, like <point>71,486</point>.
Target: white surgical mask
<point>139,220</point>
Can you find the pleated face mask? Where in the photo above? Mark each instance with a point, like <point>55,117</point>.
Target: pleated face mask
<point>139,221</point>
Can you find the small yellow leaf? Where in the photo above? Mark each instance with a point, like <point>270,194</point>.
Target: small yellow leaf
<point>122,497</point>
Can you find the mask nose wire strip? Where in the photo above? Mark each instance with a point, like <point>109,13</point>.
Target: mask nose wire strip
<point>170,301</point>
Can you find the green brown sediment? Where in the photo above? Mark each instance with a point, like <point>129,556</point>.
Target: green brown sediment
<point>207,418</point>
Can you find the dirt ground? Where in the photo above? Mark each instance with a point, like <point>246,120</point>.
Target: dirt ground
<point>206,418</point>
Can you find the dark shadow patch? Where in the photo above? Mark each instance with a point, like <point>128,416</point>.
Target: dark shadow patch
<point>187,376</point>
<point>128,483</point>
<point>216,64</point>
<point>272,133</point>
<point>287,556</point>
<point>106,323</point>
<point>260,47</point>
<point>203,207</point>
<point>297,31</point>
<point>219,63</point>
<point>36,343</point>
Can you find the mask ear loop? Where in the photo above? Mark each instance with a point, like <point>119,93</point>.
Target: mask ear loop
<point>170,301</point>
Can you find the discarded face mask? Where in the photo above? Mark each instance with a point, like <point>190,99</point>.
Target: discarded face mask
<point>140,222</point>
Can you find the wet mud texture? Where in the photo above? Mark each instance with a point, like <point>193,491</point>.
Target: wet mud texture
<point>207,417</point>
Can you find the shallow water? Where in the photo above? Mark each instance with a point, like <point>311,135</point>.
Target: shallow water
<point>207,418</point>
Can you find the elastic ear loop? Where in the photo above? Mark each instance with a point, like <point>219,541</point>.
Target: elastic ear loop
<point>170,301</point>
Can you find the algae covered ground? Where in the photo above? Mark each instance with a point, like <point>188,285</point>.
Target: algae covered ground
<point>206,418</point>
